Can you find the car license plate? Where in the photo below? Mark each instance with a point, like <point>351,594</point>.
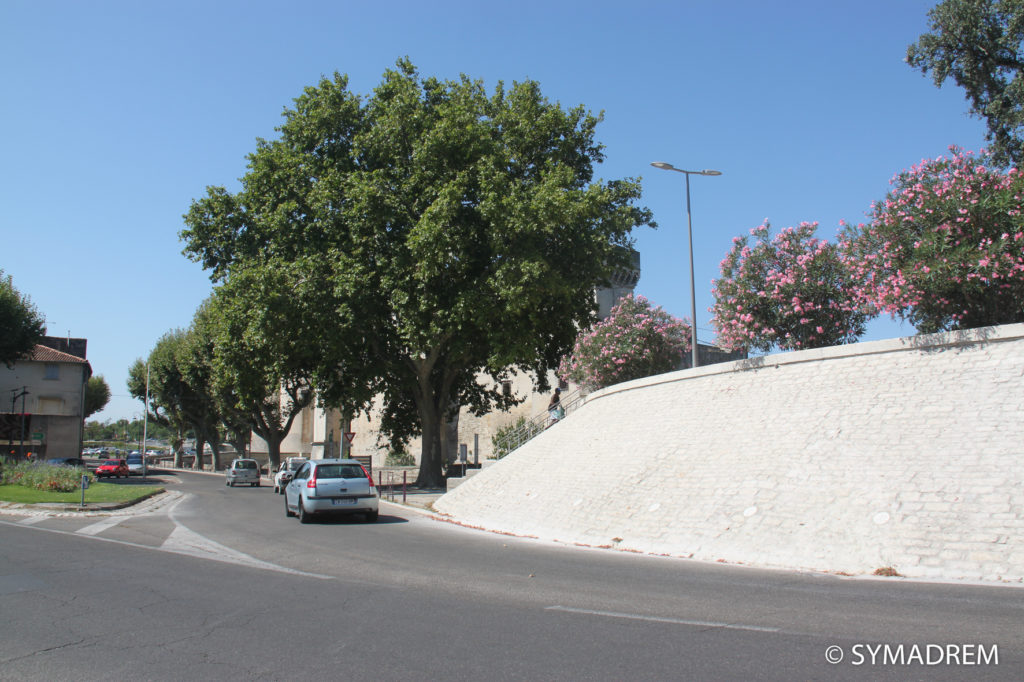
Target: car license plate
<point>343,500</point>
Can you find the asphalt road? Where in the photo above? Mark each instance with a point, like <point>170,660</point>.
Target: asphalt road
<point>218,583</point>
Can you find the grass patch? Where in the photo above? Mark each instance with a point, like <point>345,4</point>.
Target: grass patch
<point>96,492</point>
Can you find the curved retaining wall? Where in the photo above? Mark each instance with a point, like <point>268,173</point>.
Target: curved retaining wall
<point>905,453</point>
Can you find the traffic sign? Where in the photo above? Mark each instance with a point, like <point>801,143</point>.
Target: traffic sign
<point>349,435</point>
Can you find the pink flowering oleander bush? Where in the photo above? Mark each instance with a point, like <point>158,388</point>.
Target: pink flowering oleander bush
<point>945,249</point>
<point>636,340</point>
<point>791,291</point>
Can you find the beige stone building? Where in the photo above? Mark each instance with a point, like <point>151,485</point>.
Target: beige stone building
<point>43,399</point>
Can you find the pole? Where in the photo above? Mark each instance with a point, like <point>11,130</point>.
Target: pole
<point>689,227</point>
<point>145,423</point>
<point>24,392</point>
<point>693,286</point>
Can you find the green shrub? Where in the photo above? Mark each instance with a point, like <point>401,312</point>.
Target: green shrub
<point>503,441</point>
<point>399,458</point>
<point>42,476</point>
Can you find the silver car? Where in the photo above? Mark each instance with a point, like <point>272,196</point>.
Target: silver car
<point>242,471</point>
<point>331,486</point>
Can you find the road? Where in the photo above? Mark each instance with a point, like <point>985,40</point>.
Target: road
<point>217,583</point>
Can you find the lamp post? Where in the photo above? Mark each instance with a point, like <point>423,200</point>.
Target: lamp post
<point>689,229</point>
<point>145,423</point>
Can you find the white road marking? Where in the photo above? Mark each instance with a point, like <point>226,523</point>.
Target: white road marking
<point>181,541</point>
<point>100,526</point>
<point>661,619</point>
<point>28,521</point>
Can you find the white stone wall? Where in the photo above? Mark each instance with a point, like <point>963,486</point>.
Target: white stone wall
<point>907,453</point>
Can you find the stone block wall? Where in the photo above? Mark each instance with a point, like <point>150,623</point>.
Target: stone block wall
<point>906,453</point>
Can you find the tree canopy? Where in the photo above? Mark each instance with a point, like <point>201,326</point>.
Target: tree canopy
<point>449,233</point>
<point>945,249</point>
<point>636,340</point>
<point>978,43</point>
<point>178,396</point>
<point>262,361</point>
<point>21,325</point>
<point>791,290</point>
<point>97,395</point>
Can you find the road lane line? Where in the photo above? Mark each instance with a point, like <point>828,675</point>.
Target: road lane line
<point>661,619</point>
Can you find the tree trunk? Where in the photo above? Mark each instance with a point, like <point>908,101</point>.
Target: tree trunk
<point>239,441</point>
<point>214,453</point>
<point>431,456</point>
<point>274,452</point>
<point>176,442</point>
<point>197,463</point>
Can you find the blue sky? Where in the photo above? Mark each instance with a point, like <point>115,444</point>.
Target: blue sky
<point>119,114</point>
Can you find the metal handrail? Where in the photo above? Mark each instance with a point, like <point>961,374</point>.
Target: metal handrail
<point>538,423</point>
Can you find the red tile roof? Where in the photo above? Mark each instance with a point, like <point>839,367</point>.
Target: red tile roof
<point>46,354</point>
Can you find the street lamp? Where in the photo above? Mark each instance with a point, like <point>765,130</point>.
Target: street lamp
<point>689,228</point>
<point>145,423</point>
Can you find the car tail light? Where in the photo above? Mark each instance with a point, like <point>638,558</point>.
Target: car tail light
<point>368,477</point>
<point>311,483</point>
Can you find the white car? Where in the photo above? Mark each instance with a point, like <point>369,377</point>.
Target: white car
<point>135,464</point>
<point>242,471</point>
<point>331,486</point>
<point>285,473</point>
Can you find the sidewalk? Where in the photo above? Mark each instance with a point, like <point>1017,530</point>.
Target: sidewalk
<point>414,497</point>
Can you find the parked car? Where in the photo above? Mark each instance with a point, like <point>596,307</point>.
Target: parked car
<point>331,486</point>
<point>285,473</point>
<point>243,471</point>
<point>113,468</point>
<point>135,464</point>
<point>67,462</point>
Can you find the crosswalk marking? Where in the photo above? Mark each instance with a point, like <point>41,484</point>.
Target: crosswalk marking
<point>100,526</point>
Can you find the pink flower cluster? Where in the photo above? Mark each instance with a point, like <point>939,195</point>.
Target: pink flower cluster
<point>945,249</point>
<point>636,340</point>
<point>791,291</point>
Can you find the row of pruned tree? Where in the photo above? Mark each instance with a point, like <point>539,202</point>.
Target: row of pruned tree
<point>225,377</point>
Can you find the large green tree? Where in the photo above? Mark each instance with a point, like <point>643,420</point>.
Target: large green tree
<point>97,395</point>
<point>978,43</point>
<point>451,234</point>
<point>21,325</point>
<point>262,359</point>
<point>174,400</point>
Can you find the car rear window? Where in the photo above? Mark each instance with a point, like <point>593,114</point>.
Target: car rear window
<point>340,471</point>
<point>245,464</point>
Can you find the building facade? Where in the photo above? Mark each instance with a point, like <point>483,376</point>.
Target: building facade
<point>43,396</point>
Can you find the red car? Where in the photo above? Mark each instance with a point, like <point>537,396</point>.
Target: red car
<point>114,468</point>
